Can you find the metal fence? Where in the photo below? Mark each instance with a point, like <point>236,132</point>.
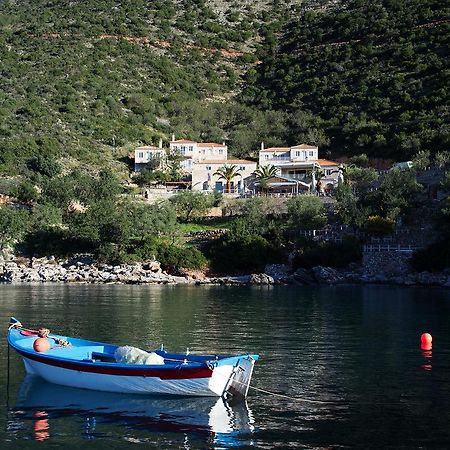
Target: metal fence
<point>390,248</point>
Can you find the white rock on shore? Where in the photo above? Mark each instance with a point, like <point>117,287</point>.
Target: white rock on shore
<point>46,270</point>
<point>49,270</point>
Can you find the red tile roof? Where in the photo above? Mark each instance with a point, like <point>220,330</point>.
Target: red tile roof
<point>327,162</point>
<point>305,146</point>
<point>240,161</point>
<point>182,141</point>
<point>209,144</point>
<point>148,147</point>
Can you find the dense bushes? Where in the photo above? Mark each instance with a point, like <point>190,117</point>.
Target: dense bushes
<point>372,76</point>
<point>189,204</point>
<point>328,254</point>
<point>306,212</point>
<point>174,257</point>
<point>241,255</point>
<point>379,226</point>
<point>434,258</point>
<point>253,241</point>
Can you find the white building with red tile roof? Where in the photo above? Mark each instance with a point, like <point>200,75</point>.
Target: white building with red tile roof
<point>298,162</point>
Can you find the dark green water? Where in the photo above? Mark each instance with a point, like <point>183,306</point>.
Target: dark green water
<point>354,348</point>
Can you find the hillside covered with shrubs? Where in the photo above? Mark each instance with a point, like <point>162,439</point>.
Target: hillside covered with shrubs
<point>87,81</point>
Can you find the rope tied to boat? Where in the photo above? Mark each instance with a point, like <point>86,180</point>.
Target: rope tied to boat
<point>43,332</point>
<point>14,325</point>
<point>289,397</point>
<point>277,394</point>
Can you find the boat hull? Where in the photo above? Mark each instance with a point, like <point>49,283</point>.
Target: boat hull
<point>121,383</point>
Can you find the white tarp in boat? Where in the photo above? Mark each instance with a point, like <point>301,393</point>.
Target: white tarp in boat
<point>133,355</point>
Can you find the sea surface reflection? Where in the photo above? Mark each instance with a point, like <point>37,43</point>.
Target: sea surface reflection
<point>40,405</point>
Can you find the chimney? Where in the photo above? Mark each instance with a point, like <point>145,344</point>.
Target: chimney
<point>160,143</point>
<point>262,145</point>
<point>223,143</point>
<point>173,137</point>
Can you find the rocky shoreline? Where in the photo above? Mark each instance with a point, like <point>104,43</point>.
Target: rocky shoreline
<point>49,270</point>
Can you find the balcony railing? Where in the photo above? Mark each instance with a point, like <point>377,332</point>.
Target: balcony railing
<point>279,160</point>
<point>296,176</point>
<point>285,161</point>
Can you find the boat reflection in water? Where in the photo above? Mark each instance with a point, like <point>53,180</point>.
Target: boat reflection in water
<point>211,419</point>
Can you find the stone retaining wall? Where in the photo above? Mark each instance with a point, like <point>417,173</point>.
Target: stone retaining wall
<point>390,264</point>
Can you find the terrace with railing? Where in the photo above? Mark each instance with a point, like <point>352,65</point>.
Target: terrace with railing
<point>277,160</point>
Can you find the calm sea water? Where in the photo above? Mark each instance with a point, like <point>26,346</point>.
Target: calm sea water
<point>353,351</point>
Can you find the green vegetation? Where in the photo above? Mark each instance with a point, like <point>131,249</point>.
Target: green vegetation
<point>386,199</point>
<point>379,226</point>
<point>86,81</point>
<point>328,254</point>
<point>254,240</point>
<point>306,212</point>
<point>360,77</point>
<point>263,174</point>
<point>189,204</point>
<point>12,225</point>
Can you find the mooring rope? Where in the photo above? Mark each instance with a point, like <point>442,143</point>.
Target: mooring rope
<point>42,332</point>
<point>277,394</point>
<point>298,399</point>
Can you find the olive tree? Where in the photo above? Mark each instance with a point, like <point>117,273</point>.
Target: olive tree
<point>306,212</point>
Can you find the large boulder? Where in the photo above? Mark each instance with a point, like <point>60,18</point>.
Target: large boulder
<point>326,275</point>
<point>304,276</point>
<point>260,278</point>
<point>152,266</point>
<point>277,271</point>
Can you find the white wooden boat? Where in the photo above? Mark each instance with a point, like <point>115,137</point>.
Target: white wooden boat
<point>93,365</point>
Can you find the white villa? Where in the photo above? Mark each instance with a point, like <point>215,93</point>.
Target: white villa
<point>201,161</point>
<point>295,168</point>
<point>298,167</point>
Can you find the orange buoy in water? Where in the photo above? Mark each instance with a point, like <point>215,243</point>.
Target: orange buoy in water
<point>41,345</point>
<point>426,341</point>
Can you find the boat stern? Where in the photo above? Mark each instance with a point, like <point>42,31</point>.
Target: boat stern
<point>231,377</point>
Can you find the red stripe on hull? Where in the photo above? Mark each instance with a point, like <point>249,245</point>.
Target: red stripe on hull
<point>180,373</point>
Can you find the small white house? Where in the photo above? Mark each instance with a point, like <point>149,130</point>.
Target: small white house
<point>143,155</point>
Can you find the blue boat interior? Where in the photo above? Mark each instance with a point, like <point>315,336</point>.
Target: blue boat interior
<point>95,352</point>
